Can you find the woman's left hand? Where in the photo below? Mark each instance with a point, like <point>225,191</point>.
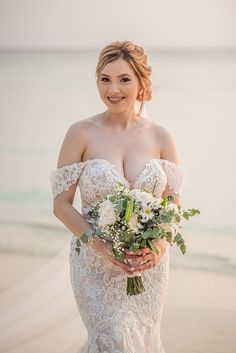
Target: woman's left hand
<point>144,259</point>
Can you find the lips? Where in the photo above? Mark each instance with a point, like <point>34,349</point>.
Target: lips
<point>115,99</point>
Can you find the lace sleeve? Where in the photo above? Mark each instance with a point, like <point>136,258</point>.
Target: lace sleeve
<point>63,178</point>
<point>175,175</point>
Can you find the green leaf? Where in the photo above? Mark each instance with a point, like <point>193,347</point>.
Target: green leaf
<point>112,198</point>
<point>143,243</point>
<point>164,201</point>
<point>178,237</point>
<point>98,231</point>
<point>129,210</point>
<point>186,215</point>
<point>170,198</point>
<point>169,237</point>
<point>183,248</point>
<point>119,206</point>
<point>152,246</point>
<point>149,233</point>
<point>177,217</point>
<point>78,250</point>
<point>84,238</point>
<point>165,218</point>
<point>193,211</point>
<point>135,246</point>
<point>118,254</point>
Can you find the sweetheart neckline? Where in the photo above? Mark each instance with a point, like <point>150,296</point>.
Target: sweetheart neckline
<point>130,185</point>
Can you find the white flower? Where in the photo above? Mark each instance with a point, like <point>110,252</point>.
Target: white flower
<point>133,222</point>
<point>107,214</point>
<point>157,202</point>
<point>142,196</point>
<point>173,228</point>
<point>166,227</point>
<point>146,215</point>
<point>172,206</point>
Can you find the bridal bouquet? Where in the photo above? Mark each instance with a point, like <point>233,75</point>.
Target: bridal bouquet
<point>132,219</point>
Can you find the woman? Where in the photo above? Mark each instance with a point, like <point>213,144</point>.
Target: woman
<point>117,145</point>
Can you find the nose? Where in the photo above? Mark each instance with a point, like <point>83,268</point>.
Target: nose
<point>113,88</point>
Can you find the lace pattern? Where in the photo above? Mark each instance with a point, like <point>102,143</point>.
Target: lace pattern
<point>175,174</point>
<point>116,323</point>
<point>63,178</point>
<point>101,176</point>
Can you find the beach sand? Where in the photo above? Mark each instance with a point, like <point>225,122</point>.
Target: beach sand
<point>199,315</point>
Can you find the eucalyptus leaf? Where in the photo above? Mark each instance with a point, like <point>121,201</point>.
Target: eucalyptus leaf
<point>143,243</point>
<point>78,250</point>
<point>152,246</point>
<point>165,218</point>
<point>186,215</point>
<point>135,246</point>
<point>178,237</point>
<point>84,238</point>
<point>183,248</point>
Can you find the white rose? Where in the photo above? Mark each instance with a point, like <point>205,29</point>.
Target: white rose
<point>172,206</point>
<point>133,222</point>
<point>173,228</point>
<point>107,214</point>
<point>166,227</point>
<point>142,196</point>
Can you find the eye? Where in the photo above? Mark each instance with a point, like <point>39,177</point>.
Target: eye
<point>124,79</point>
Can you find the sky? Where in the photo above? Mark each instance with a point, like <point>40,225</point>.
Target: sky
<point>87,24</point>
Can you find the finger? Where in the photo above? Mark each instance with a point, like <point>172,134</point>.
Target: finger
<point>137,252</point>
<point>145,266</point>
<point>122,265</point>
<point>139,260</point>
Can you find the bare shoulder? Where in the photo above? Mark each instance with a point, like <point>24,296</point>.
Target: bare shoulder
<point>74,143</point>
<point>167,142</point>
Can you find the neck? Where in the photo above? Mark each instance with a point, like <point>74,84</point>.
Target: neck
<point>121,121</point>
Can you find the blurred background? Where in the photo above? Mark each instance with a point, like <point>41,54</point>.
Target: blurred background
<point>48,54</point>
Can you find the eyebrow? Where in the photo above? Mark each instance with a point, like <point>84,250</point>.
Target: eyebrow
<point>117,76</point>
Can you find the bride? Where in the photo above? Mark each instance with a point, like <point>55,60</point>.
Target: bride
<point>97,152</point>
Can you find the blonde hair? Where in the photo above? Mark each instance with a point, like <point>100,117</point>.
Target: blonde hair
<point>136,56</point>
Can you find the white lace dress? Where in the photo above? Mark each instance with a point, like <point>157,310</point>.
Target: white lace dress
<point>116,322</point>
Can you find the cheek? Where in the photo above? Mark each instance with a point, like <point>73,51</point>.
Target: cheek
<point>132,91</point>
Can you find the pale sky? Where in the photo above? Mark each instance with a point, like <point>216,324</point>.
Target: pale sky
<point>78,24</point>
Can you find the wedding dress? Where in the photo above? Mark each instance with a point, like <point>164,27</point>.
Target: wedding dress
<point>115,321</point>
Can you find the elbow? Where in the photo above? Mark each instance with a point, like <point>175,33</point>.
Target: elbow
<point>56,208</point>
<point>59,206</point>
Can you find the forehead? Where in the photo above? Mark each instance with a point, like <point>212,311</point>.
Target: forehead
<point>118,67</point>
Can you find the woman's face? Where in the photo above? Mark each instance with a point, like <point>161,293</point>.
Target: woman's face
<point>118,86</point>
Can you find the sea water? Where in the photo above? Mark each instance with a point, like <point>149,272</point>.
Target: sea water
<point>43,93</point>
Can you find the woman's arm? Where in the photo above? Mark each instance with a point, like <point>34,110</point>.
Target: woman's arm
<point>169,152</point>
<point>71,151</point>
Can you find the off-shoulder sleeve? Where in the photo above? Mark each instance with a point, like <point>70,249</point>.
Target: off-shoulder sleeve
<point>175,175</point>
<point>63,178</point>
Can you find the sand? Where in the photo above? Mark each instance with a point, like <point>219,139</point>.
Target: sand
<point>199,314</point>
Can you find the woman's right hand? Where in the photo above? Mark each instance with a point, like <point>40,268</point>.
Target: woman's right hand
<point>105,248</point>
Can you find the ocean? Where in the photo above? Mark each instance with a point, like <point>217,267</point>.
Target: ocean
<point>43,93</point>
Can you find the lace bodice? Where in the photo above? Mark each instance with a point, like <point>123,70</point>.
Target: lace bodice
<point>98,177</point>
